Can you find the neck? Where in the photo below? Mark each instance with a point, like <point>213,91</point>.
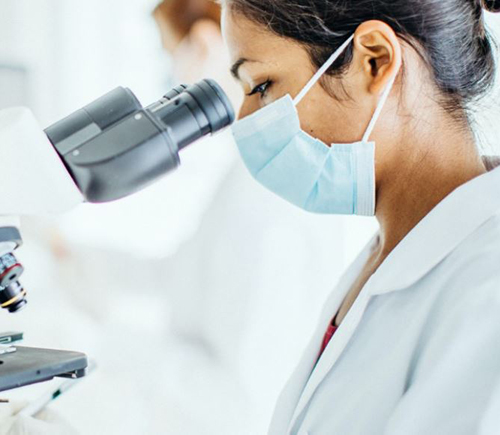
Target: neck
<point>421,179</point>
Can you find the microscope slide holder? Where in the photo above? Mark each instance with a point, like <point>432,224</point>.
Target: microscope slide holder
<point>30,365</point>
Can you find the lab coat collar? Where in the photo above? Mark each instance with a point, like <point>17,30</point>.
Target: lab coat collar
<point>439,233</point>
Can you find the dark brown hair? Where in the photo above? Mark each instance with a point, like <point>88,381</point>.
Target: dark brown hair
<point>450,35</point>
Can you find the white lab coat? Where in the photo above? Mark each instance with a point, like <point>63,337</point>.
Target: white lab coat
<point>419,351</point>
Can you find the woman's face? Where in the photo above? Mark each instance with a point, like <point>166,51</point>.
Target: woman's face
<point>268,67</point>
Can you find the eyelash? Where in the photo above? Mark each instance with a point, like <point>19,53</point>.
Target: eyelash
<point>261,89</point>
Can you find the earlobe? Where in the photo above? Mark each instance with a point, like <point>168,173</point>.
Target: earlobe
<point>380,53</point>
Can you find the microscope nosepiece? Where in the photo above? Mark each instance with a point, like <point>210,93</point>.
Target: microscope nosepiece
<point>12,293</point>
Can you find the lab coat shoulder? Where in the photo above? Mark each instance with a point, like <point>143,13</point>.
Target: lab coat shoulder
<point>469,278</point>
<point>471,273</point>
<point>456,365</point>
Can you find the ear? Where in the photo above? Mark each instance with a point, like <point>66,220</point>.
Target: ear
<point>379,52</point>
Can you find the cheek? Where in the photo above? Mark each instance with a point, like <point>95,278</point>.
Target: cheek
<point>322,123</point>
<point>331,121</point>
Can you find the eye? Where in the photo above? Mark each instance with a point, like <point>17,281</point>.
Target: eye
<point>261,89</point>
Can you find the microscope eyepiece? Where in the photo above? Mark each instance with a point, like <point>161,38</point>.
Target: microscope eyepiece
<point>213,102</point>
<point>191,112</point>
<point>113,147</point>
<point>224,112</point>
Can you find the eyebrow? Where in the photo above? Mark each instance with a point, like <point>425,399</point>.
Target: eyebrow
<point>235,69</point>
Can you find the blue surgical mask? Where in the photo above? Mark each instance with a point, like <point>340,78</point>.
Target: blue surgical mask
<point>303,170</point>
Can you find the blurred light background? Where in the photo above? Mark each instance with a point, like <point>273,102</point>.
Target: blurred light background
<point>197,296</point>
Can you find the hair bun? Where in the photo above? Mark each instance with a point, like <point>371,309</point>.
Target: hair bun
<point>490,5</point>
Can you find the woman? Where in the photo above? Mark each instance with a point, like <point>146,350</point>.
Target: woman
<point>414,344</point>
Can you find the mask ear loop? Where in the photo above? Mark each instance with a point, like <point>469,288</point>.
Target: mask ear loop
<point>321,71</point>
<point>378,110</point>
